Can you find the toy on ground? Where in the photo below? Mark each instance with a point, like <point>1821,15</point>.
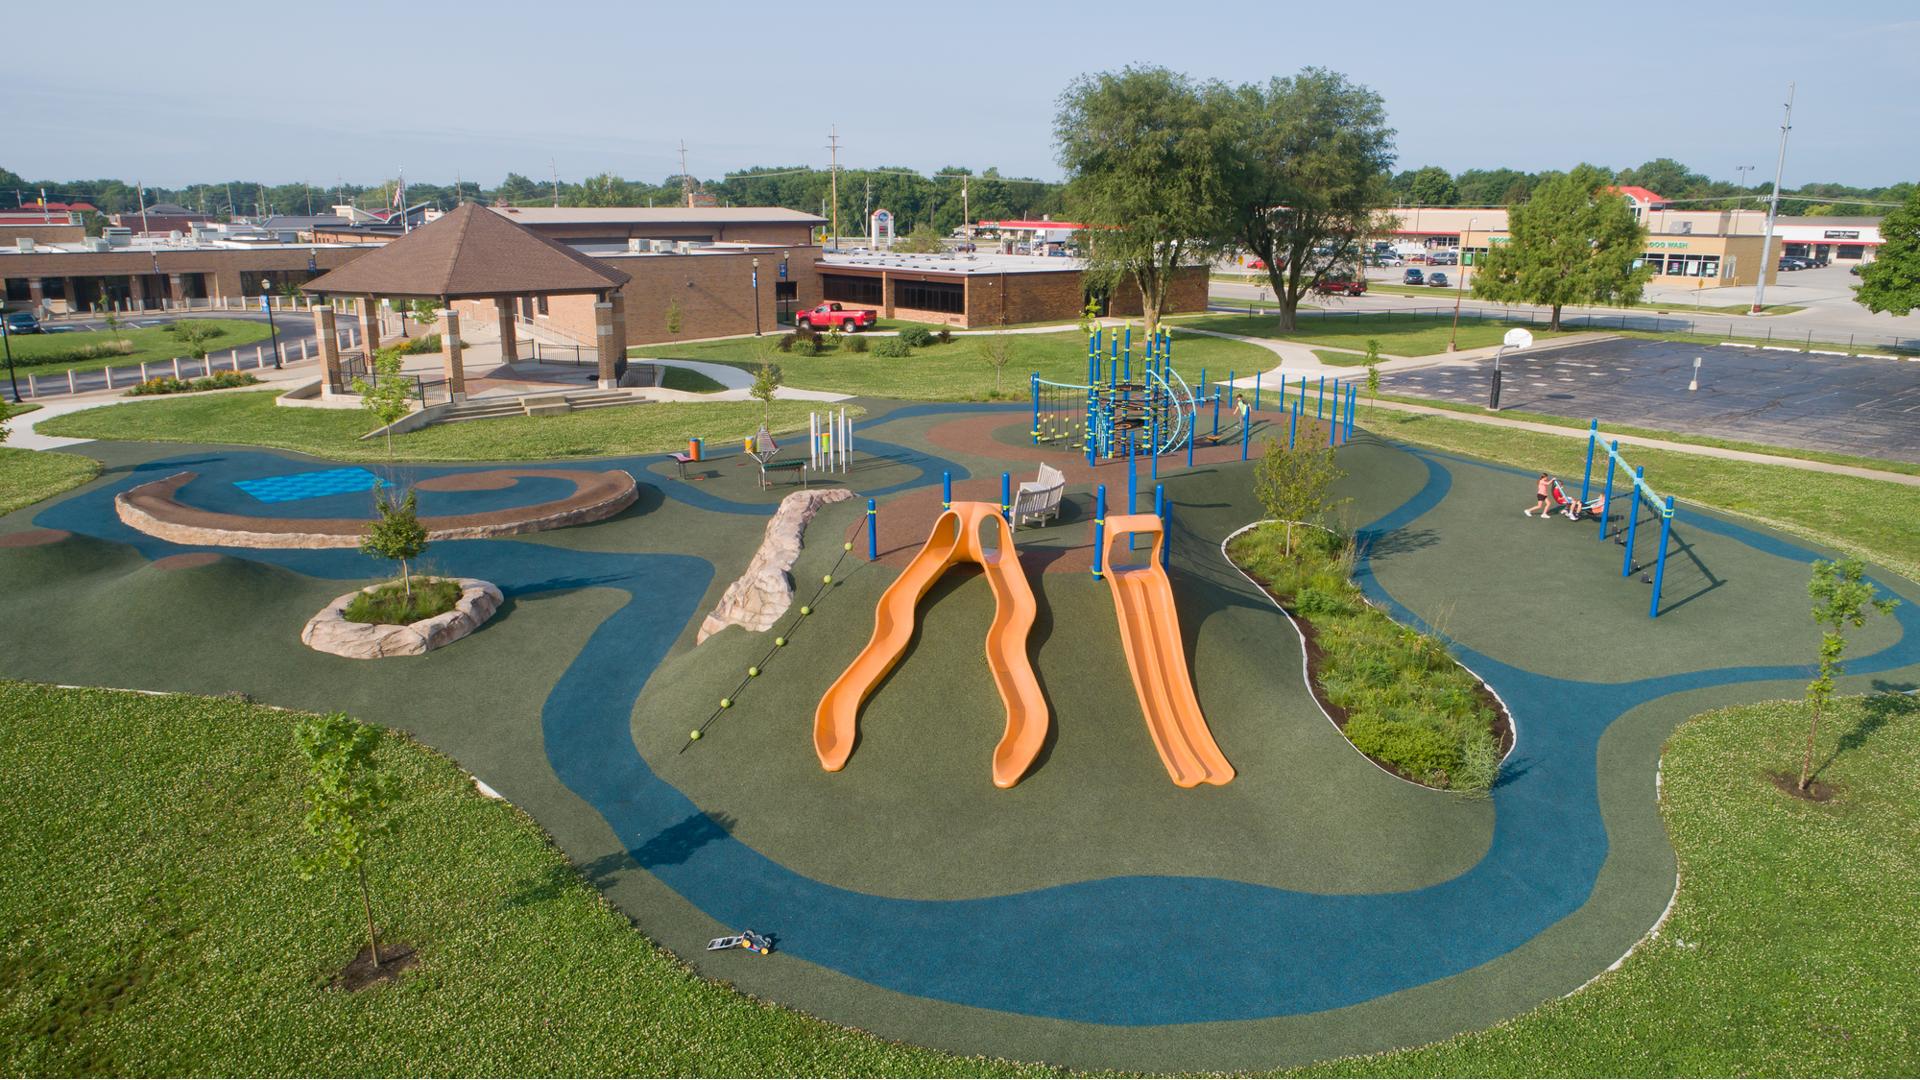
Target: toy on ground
<point>955,539</point>
<point>747,940</point>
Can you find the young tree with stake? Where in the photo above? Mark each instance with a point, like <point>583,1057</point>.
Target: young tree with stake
<point>1296,485</point>
<point>396,534</point>
<point>1842,597</point>
<point>347,801</point>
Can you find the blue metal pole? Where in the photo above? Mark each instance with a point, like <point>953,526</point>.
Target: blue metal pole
<point>1216,413</point>
<point>1133,481</point>
<point>946,491</point>
<point>1293,422</point>
<point>1593,437</point>
<point>1660,563</point>
<point>1155,445</point>
<point>1320,407</point>
<point>1036,409</point>
<point>1256,391</point>
<point>1193,429</point>
<point>1006,496</point>
<point>873,532</point>
<point>1203,382</point>
<point>1099,527</point>
<point>1126,353</point>
<point>1633,522</point>
<point>1246,435</point>
<point>1606,500</point>
<point>1160,511</point>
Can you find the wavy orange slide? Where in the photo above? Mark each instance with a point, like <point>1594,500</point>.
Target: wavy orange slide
<point>1150,635</point>
<point>955,539</point>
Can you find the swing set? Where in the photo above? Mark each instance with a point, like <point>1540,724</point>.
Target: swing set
<point>1644,501</point>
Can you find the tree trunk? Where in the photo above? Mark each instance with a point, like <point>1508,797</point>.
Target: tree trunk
<point>1554,323</point>
<point>406,580</point>
<point>1806,761</point>
<point>366,905</point>
<point>1288,306</point>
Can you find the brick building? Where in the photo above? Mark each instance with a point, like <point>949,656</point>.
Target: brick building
<point>155,272</point>
<point>983,290</point>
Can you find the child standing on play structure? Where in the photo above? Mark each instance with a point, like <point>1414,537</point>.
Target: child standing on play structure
<point>1543,498</point>
<point>1241,407</point>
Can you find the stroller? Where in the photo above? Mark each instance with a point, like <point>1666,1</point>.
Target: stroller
<point>1573,508</point>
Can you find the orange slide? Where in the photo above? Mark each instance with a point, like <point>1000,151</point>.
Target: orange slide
<point>955,539</point>
<point>1150,634</point>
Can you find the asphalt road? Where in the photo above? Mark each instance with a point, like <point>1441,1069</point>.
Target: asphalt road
<point>292,327</point>
<point>1782,398</point>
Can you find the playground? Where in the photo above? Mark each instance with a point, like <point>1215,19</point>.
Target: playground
<point>1027,767</point>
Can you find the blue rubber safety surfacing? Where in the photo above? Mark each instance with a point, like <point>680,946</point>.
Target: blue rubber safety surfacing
<point>1147,950</point>
<point>292,487</point>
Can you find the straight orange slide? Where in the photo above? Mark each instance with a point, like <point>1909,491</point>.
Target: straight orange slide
<point>1150,635</point>
<point>955,539</point>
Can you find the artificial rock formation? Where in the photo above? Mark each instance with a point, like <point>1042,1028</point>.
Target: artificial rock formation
<point>330,632</point>
<point>758,598</point>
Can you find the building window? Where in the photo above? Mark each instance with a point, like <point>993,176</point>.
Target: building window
<point>1850,251</point>
<point>849,289</point>
<point>540,305</point>
<point>949,297</point>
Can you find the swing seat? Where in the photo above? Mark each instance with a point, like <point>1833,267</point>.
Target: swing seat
<point>1572,508</point>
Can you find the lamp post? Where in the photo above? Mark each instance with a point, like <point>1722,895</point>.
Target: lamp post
<point>273,332</point>
<point>6,339</point>
<point>756,296</point>
<point>1460,286</point>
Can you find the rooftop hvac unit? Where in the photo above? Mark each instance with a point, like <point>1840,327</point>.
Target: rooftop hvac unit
<point>682,247</point>
<point>24,243</point>
<point>173,236</point>
<point>661,247</point>
<point>118,235</point>
<point>96,243</point>
<point>633,244</point>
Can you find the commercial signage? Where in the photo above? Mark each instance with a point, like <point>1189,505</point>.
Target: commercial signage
<point>1843,234</point>
<point>1681,244</point>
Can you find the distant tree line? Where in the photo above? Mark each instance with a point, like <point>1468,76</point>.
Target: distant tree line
<point>1432,185</point>
<point>916,200</point>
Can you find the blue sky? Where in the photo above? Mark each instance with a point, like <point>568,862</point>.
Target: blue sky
<point>288,93</point>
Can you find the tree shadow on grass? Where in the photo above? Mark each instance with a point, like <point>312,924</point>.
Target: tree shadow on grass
<point>1887,705</point>
<point>672,845</point>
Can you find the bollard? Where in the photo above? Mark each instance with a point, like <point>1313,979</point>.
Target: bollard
<point>71,388</point>
<point>176,367</point>
<point>946,491</point>
<point>143,371</point>
<point>1006,496</point>
<point>1099,527</point>
<point>873,532</point>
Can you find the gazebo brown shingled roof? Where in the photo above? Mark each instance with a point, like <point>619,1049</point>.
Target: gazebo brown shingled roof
<point>470,253</point>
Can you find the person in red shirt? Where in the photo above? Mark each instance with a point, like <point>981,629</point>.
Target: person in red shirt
<point>1543,498</point>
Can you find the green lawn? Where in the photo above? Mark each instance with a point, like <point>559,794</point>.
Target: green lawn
<point>1874,518</point>
<point>1790,950</point>
<point>1399,335</point>
<point>1341,359</point>
<point>253,419</point>
<point>9,408</point>
<point>28,476</point>
<point>155,925</point>
<point>59,352</point>
<point>958,371</point>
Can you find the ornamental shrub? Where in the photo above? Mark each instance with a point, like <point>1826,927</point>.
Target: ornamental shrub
<point>857,344</point>
<point>892,348</point>
<point>917,337</point>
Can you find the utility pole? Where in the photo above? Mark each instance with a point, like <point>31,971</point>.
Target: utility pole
<point>140,186</point>
<point>966,214</point>
<point>686,178</point>
<point>1742,171</point>
<point>833,144</point>
<point>1773,209</point>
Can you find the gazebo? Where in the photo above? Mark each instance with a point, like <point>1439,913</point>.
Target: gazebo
<point>471,253</point>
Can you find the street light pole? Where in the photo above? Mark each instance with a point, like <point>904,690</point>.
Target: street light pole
<point>6,339</point>
<point>1773,209</point>
<point>273,332</point>
<point>1460,286</point>
<point>756,296</point>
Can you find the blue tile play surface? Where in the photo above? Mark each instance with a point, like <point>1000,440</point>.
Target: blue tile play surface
<point>309,485</point>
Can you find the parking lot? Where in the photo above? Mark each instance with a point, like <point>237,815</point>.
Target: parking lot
<point>1783,398</point>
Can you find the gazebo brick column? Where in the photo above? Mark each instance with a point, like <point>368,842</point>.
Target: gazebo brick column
<point>327,335</point>
<point>450,354</point>
<point>369,326</point>
<point>619,299</point>
<point>603,337</point>
<point>503,313</point>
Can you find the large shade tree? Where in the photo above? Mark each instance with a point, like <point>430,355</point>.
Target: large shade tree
<point>1305,162</point>
<point>1141,151</point>
<point>1573,242</point>
<point>1891,282</point>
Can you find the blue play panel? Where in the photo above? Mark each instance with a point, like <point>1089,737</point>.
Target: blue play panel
<point>309,485</point>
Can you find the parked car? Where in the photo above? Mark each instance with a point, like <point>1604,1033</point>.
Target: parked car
<point>1438,280</point>
<point>1341,285</point>
<point>1444,258</point>
<point>24,322</point>
<point>833,316</point>
<point>1412,277</point>
<point>1389,259</point>
<point>1854,269</point>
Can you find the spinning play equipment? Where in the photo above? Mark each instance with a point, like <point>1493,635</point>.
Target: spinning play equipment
<point>1156,657</point>
<point>955,539</point>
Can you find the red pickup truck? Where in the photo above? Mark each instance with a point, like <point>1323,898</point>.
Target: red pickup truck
<point>1341,286</point>
<point>831,316</point>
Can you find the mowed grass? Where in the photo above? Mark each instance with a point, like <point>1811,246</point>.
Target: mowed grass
<point>28,476</point>
<point>153,344</point>
<point>1872,518</point>
<point>155,925</point>
<point>1340,359</point>
<point>1790,949</point>
<point>689,380</point>
<point>1399,335</point>
<point>253,419</point>
<point>959,370</point>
